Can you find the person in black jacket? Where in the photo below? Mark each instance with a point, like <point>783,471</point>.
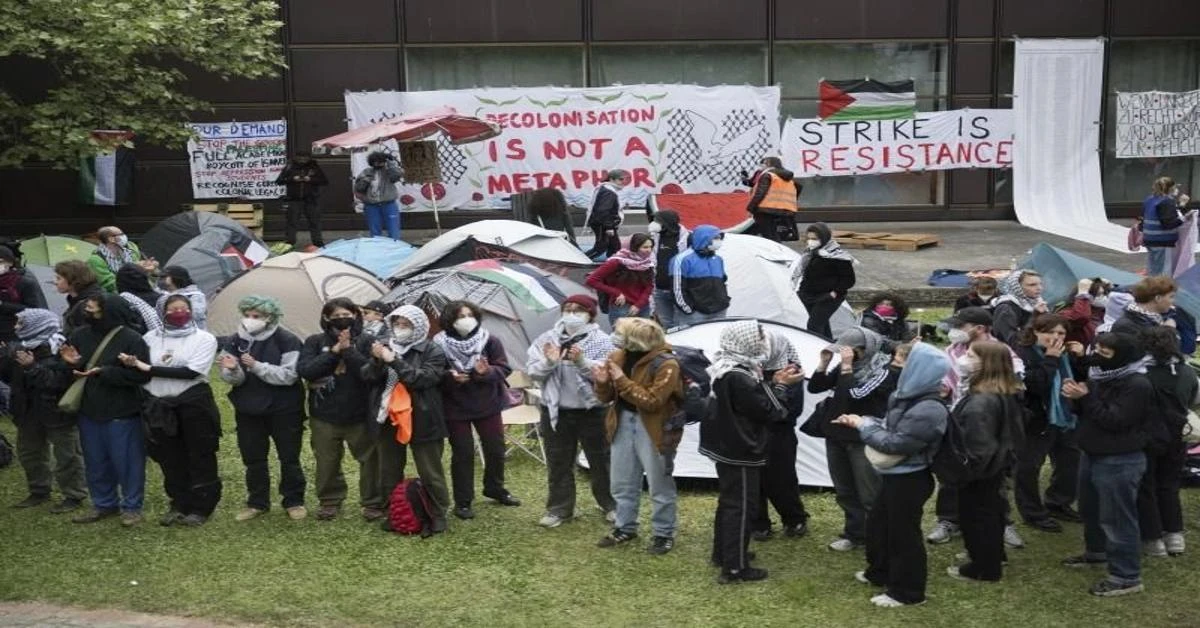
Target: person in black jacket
<point>1115,404</point>
<point>18,290</point>
<point>135,281</point>
<point>110,423</point>
<point>39,377</point>
<point>982,293</point>
<point>670,238</point>
<point>1020,301</point>
<point>549,208</point>
<point>331,364</point>
<point>76,280</point>
<point>304,180</point>
<point>735,437</point>
<point>990,418</point>
<point>826,273</point>
<point>1160,513</point>
<point>887,315</point>
<point>604,216</point>
<point>780,485</point>
<point>259,364</point>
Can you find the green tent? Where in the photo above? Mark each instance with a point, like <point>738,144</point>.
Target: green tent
<point>49,250</point>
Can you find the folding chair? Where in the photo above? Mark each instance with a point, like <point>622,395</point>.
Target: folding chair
<point>527,415</point>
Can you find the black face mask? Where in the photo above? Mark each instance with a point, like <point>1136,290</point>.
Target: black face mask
<point>341,324</point>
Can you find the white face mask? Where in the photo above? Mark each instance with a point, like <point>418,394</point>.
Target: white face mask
<point>465,325</point>
<point>402,334</point>
<point>716,244</point>
<point>253,325</point>
<point>4,268</point>
<point>814,244</point>
<point>958,336</point>
<point>121,240</point>
<point>654,228</point>
<point>574,320</point>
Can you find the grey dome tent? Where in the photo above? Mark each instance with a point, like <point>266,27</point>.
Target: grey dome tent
<point>169,235</point>
<point>215,256</point>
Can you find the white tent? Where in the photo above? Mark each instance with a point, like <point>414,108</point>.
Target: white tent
<point>522,237</point>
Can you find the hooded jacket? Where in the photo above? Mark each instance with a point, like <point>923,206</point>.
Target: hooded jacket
<point>867,398</point>
<point>420,369</point>
<point>75,316</point>
<point>1176,388</point>
<point>116,391</point>
<point>667,244</point>
<point>698,275</point>
<point>337,392</point>
<point>196,297</point>
<point>134,280</point>
<point>822,274</point>
<point>1114,415</point>
<point>916,415</point>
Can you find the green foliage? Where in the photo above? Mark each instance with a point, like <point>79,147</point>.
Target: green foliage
<point>113,65</point>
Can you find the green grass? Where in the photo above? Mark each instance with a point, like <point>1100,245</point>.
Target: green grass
<point>502,570</point>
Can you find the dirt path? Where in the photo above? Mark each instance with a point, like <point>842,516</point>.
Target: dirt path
<point>37,614</point>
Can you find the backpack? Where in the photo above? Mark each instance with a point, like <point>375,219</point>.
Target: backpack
<point>409,509</point>
<point>953,464</point>
<point>697,401</point>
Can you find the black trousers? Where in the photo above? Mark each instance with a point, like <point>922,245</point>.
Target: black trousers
<point>946,505</point>
<point>764,225</point>
<point>312,214</point>
<point>188,459</point>
<point>820,309</point>
<point>1159,510</point>
<point>607,241</point>
<point>981,516</point>
<point>462,458</point>
<point>255,433</point>
<point>778,482</point>
<point>575,429</point>
<point>1064,477</point>
<point>736,505</point>
<point>896,556</point>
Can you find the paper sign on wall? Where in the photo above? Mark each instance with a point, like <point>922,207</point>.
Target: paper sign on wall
<point>238,160</point>
<point>1158,124</point>
<point>419,160</point>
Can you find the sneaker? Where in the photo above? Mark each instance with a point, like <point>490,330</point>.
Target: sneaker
<point>1108,588</point>
<point>1012,538</point>
<point>749,574</point>
<point>94,515</point>
<point>1156,548</point>
<point>295,513</point>
<point>131,518</point>
<point>942,532</point>
<point>31,501</point>
<point>964,558</point>
<point>762,535</point>
<point>1083,560</point>
<point>883,600</point>
<point>1175,544</point>
<point>193,521</point>
<point>615,538</point>
<point>611,516</point>
<point>328,513</point>
<point>660,545</point>
<point>171,518</point>
<point>249,513</point>
<point>464,512</point>
<point>439,525</point>
<point>843,545</point>
<point>861,577</point>
<point>66,505</point>
<point>551,521</point>
<point>1064,513</point>
<point>371,513</point>
<point>797,531</point>
<point>1045,525</point>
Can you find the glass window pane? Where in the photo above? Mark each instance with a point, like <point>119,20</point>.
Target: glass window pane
<point>462,67</point>
<point>799,67</point>
<point>902,188</point>
<point>698,64</point>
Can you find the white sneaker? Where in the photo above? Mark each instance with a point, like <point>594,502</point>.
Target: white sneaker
<point>964,558</point>
<point>883,600</point>
<point>1156,548</point>
<point>551,521</point>
<point>611,516</point>
<point>942,532</point>
<point>861,576</point>
<point>1012,538</point>
<point>1174,543</point>
<point>843,545</point>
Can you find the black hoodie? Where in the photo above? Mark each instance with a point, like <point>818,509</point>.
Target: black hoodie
<point>824,275</point>
<point>666,247</point>
<point>1114,414</point>
<point>336,390</point>
<point>116,392</point>
<point>30,296</point>
<point>133,279</point>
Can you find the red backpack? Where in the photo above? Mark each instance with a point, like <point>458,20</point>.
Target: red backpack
<point>409,508</point>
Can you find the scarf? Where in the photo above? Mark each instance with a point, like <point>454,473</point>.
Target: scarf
<point>780,352</point>
<point>148,314</point>
<point>595,347</point>
<point>1154,316</point>
<point>1059,414</point>
<point>8,286</point>
<point>829,250</point>
<point>1011,292</point>
<point>741,348</point>
<point>873,358</point>
<point>113,260</point>
<point>631,261</point>
<point>40,327</point>
<point>463,353</point>
<point>1096,374</point>
<point>420,324</point>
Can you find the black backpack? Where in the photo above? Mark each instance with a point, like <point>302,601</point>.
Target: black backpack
<point>953,464</point>
<point>697,401</point>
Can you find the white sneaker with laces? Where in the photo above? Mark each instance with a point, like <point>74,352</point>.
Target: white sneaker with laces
<point>1174,543</point>
<point>883,600</point>
<point>551,521</point>
<point>1012,538</point>
<point>843,545</point>
<point>942,532</point>
<point>1156,548</point>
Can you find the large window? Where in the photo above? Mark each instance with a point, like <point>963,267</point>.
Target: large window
<point>462,67</point>
<point>699,64</point>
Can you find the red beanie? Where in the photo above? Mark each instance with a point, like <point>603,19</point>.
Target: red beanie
<point>585,302</point>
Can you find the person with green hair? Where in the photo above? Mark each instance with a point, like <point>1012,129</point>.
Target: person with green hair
<point>259,363</point>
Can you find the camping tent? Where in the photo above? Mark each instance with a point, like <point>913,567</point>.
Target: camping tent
<point>48,250</point>
<point>1061,271</point>
<point>55,301</point>
<point>302,282</point>
<point>519,301</point>
<point>518,236</point>
<point>169,235</point>
<point>378,254</point>
<point>472,249</point>
<point>216,255</point>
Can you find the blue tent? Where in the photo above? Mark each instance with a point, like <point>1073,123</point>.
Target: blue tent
<point>379,255</point>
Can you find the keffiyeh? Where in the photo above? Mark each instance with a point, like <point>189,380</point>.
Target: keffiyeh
<point>115,260</point>
<point>420,324</point>
<point>632,261</point>
<point>40,327</point>
<point>1011,292</point>
<point>780,352</point>
<point>742,346</point>
<point>463,353</point>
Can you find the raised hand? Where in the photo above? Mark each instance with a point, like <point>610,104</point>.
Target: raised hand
<point>552,352</point>
<point>248,361</point>
<point>70,355</point>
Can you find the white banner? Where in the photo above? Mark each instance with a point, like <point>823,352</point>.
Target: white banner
<point>935,140</point>
<point>1158,124</point>
<point>238,160</point>
<point>671,138</point>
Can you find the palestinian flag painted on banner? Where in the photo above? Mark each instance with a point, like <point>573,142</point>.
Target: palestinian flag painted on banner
<point>106,178</point>
<point>867,99</point>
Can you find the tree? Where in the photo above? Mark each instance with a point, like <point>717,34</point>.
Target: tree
<point>114,64</point>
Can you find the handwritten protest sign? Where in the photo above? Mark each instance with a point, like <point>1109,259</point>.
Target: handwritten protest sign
<point>238,160</point>
<point>936,140</point>
<point>420,162</point>
<point>1158,124</point>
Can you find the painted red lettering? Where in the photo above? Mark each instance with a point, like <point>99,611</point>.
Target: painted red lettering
<point>927,147</point>
<point>904,152</point>
<point>808,159</point>
<point>866,160</point>
<point>980,158</point>
<point>598,144</point>
<point>521,182</point>
<point>1002,156</point>
<point>837,159</point>
<point>635,145</point>
<point>497,183</point>
<point>579,177</point>
<point>516,149</point>
<point>641,178</point>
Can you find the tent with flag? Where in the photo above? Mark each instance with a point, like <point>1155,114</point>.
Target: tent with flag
<point>48,250</point>
<point>524,238</point>
<point>379,255</point>
<point>217,255</point>
<point>170,234</point>
<point>867,99</point>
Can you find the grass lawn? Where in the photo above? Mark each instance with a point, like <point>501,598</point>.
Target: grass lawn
<point>501,569</point>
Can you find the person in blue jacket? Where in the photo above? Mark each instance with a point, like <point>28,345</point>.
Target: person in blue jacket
<point>1160,224</point>
<point>698,278</point>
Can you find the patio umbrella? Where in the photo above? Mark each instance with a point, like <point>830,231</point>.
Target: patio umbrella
<point>48,250</point>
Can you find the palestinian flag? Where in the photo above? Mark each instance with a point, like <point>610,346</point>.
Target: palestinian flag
<point>106,178</point>
<point>867,99</point>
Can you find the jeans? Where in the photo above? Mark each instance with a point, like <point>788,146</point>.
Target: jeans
<point>462,458</point>
<point>329,443</point>
<point>778,482</point>
<point>1108,489</point>
<point>1159,260</point>
<point>632,454</point>
<point>575,429</point>
<point>254,436</point>
<point>696,317</point>
<point>380,215</point>
<point>1159,509</point>
<point>821,308</point>
<point>737,504</point>
<point>896,556</point>
<point>856,483</point>
<point>188,459</point>
<point>312,214</point>
<point>981,515</point>
<point>114,455</point>
<point>35,442</point>
<point>1064,476</point>
<point>616,312</point>
<point>665,309</point>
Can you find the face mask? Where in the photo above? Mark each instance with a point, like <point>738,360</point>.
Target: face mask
<point>373,327</point>
<point>958,336</point>
<point>885,311</point>
<point>178,319</point>
<point>716,245</point>
<point>341,324</point>
<point>402,334</point>
<point>654,228</point>
<point>4,268</point>
<point>121,240</point>
<point>574,320</point>
<point>618,340</point>
<point>465,325</point>
<point>1105,364</point>
<point>814,245</point>
<point>1100,301</point>
<point>986,296</point>
<point>253,325</point>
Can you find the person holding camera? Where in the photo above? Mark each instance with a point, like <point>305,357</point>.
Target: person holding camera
<point>304,180</point>
<point>375,186</point>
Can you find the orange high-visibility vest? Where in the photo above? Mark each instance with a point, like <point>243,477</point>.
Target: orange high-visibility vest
<point>781,196</point>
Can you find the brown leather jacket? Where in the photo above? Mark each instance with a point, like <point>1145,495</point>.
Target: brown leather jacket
<point>655,392</point>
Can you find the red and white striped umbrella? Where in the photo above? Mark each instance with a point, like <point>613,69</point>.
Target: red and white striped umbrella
<point>459,129</point>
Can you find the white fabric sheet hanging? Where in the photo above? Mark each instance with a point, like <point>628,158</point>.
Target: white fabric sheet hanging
<point>1058,85</point>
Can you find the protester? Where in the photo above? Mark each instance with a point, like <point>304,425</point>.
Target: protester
<point>1115,405</point>
<point>990,417</point>
<point>405,372</point>
<point>698,278</point>
<point>183,424</point>
<point>1153,297</point>
<point>133,285</point>
<point>110,425</point>
<point>474,393</point>
<point>374,318</point>
<point>304,180</point>
<point>18,290</point>
<point>331,364</point>
<point>561,362</point>
<point>1160,513</point>
<point>644,387</point>
<point>983,292</point>
<point>1050,424</point>
<point>1020,300</point>
<point>1084,310</point>
<point>626,279</point>
<point>375,186</point>
<point>887,315</point>
<point>1185,328</point>
<point>114,251</point>
<point>826,274</point>
<point>908,435</point>
<point>774,198</point>
<point>670,238</point>
<point>549,207</point>
<point>259,363</point>
<point>862,383</point>
<point>604,216</point>
<point>38,377</point>
<point>177,280</point>
<point>734,436</point>
<point>1160,222</point>
<point>76,280</point>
